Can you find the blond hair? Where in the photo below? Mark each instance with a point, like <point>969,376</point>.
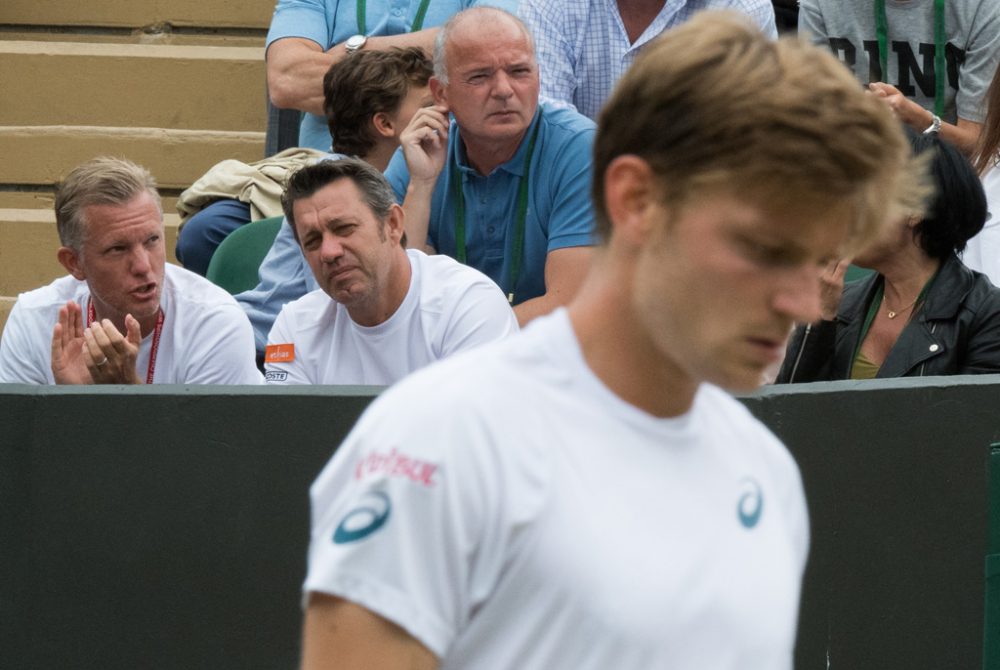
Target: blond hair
<point>100,181</point>
<point>714,104</point>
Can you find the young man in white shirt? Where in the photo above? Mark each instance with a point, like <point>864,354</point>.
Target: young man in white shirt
<point>587,495</point>
<point>381,311</point>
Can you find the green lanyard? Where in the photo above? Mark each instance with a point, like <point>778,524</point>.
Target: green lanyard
<point>418,18</point>
<point>522,214</point>
<point>940,39</point>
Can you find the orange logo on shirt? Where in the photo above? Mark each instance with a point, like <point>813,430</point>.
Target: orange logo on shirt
<point>279,353</point>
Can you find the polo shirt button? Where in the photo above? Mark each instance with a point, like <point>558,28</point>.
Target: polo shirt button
<point>490,230</point>
<point>397,12</point>
<point>934,347</point>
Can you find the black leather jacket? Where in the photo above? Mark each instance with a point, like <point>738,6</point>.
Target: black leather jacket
<point>957,332</point>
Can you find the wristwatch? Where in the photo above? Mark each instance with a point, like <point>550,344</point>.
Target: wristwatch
<point>355,43</point>
<point>935,126</point>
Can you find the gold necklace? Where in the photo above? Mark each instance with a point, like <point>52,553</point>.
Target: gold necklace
<point>893,314</point>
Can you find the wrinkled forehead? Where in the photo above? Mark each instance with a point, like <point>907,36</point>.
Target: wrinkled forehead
<point>104,218</point>
<point>487,35</point>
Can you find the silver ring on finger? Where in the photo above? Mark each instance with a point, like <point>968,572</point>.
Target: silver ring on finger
<point>102,362</point>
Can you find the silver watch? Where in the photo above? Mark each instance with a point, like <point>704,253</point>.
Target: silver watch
<point>935,126</point>
<point>355,43</point>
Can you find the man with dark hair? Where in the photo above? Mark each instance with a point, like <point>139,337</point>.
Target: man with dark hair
<point>587,495</point>
<point>371,97</point>
<point>122,315</point>
<point>382,311</point>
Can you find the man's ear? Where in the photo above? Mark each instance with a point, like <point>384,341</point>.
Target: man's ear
<point>629,192</point>
<point>395,224</point>
<point>383,125</point>
<point>70,260</point>
<point>439,91</point>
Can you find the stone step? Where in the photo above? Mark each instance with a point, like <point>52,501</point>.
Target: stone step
<point>27,199</point>
<point>131,14</point>
<point>28,245</point>
<point>253,39</point>
<point>144,85</point>
<point>6,304</point>
<point>45,199</point>
<point>44,154</point>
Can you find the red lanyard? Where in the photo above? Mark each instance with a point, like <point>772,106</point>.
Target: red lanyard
<point>92,316</point>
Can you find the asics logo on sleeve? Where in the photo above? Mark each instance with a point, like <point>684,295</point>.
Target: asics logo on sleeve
<point>751,503</point>
<point>370,514</point>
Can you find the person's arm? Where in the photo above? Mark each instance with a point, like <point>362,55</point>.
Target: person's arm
<point>22,351</point>
<point>480,314</point>
<point>964,134</point>
<point>982,354</point>
<point>338,634</point>
<point>811,23</point>
<point>565,270</point>
<point>563,205</point>
<point>425,147</point>
<point>296,66</point>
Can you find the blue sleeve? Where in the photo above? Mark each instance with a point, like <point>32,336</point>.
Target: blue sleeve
<point>571,218</point>
<point>311,19</point>
<point>284,276</point>
<point>398,175</point>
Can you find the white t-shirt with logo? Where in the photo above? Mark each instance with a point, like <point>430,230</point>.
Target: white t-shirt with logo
<point>509,511</point>
<point>448,307</point>
<point>206,338</point>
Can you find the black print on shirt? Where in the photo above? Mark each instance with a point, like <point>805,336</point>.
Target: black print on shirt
<point>913,72</point>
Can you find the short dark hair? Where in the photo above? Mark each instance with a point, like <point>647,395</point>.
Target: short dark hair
<point>365,83</point>
<point>957,210</point>
<point>306,181</point>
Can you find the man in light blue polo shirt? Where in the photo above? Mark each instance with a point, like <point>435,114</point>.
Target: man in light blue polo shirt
<point>505,185</point>
<point>308,36</point>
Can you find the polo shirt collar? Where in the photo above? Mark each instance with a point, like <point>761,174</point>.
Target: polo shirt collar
<point>514,166</point>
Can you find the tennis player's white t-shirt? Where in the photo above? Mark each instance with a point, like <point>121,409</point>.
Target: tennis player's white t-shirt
<point>205,339</point>
<point>509,511</point>
<point>448,307</point>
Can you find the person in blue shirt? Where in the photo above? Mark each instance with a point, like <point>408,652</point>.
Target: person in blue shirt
<point>504,184</point>
<point>306,37</point>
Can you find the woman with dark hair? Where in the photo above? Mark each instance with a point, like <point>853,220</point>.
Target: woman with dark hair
<point>922,312</point>
<point>983,252</point>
